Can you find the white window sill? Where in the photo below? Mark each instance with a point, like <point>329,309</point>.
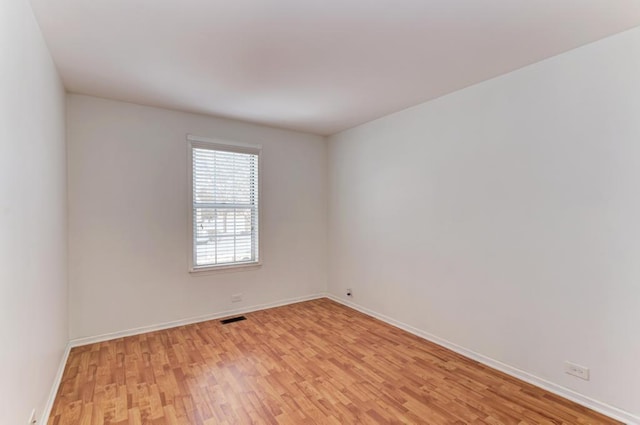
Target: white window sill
<point>205,270</point>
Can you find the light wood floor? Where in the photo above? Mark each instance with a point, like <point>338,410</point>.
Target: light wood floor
<point>312,362</point>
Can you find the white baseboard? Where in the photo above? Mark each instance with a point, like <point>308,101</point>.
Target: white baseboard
<point>46,412</point>
<point>182,322</point>
<point>605,409</point>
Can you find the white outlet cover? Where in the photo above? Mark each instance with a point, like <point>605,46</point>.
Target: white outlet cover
<point>236,298</point>
<point>581,372</point>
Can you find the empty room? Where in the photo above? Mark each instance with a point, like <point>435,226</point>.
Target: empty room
<point>319,212</point>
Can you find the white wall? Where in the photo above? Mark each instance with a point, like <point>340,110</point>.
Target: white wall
<point>33,229</point>
<point>128,232</point>
<point>505,218</point>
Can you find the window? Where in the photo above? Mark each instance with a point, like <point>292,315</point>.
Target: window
<point>224,204</point>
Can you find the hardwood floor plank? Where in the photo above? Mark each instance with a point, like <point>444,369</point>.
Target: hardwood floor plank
<point>316,362</point>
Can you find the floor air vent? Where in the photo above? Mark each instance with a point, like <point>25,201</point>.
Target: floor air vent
<point>233,319</point>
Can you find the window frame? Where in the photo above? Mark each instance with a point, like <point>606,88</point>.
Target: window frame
<point>228,146</point>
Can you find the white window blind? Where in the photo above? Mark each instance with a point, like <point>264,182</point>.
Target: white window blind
<point>225,204</point>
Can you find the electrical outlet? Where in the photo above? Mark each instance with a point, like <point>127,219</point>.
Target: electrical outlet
<point>349,293</point>
<point>236,298</point>
<point>576,370</point>
<point>32,418</point>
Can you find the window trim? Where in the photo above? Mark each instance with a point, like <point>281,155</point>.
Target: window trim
<point>229,146</point>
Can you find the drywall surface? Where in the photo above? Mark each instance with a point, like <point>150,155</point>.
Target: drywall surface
<point>33,216</point>
<point>505,218</point>
<point>128,211</point>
